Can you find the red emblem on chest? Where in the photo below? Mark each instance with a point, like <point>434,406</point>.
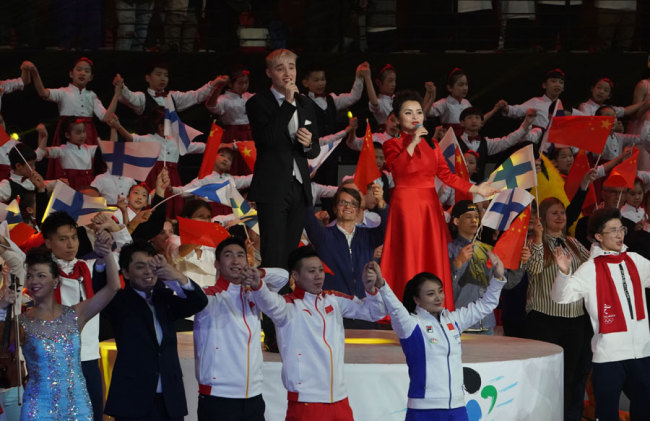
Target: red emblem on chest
<point>329,309</point>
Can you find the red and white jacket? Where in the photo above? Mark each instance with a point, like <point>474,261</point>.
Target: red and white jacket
<point>227,341</point>
<point>311,338</point>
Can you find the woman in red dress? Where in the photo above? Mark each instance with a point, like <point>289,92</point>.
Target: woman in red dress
<point>416,234</point>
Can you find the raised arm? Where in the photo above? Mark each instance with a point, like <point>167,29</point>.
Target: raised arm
<point>87,309</point>
<point>41,90</point>
<point>429,96</point>
<point>211,102</point>
<point>114,122</point>
<point>268,302</point>
<point>117,93</point>
<point>370,308</point>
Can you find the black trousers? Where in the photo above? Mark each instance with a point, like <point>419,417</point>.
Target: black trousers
<point>159,412</point>
<point>629,376</point>
<point>570,333</point>
<point>281,225</point>
<point>214,408</point>
<point>93,378</point>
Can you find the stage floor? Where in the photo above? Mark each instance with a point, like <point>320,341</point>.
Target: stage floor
<point>505,378</point>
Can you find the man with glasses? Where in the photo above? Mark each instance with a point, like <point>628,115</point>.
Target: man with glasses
<point>612,285</point>
<point>346,247</point>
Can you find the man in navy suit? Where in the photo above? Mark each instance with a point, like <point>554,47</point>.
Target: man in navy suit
<point>147,382</point>
<point>284,128</point>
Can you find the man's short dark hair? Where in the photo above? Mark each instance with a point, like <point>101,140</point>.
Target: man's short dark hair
<point>14,155</point>
<point>470,111</point>
<point>126,254</point>
<point>296,256</point>
<point>227,242</point>
<point>598,219</point>
<point>56,220</point>
<point>155,65</point>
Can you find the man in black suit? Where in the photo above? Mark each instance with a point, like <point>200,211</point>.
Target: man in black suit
<point>147,382</point>
<point>284,128</point>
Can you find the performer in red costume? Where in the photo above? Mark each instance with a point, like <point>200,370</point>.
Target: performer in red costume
<point>416,235</point>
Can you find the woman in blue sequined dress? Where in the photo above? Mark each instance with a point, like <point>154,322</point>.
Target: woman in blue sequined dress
<point>56,389</point>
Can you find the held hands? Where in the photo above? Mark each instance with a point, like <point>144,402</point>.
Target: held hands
<point>430,88</point>
<point>250,277</point>
<point>484,189</point>
<point>220,81</point>
<point>562,259</point>
<point>353,123</point>
<point>363,70</point>
<point>103,221</point>
<point>501,105</point>
<point>304,137</point>
<point>103,243</point>
<point>118,80</point>
<point>165,271</point>
<point>497,264</point>
<point>372,278</point>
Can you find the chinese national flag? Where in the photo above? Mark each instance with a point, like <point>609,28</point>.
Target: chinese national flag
<point>367,170</point>
<point>578,170</point>
<point>584,132</point>
<point>4,137</point>
<point>509,245</point>
<point>247,151</point>
<point>211,150</point>
<point>20,233</point>
<point>199,232</point>
<point>623,174</point>
<point>461,170</point>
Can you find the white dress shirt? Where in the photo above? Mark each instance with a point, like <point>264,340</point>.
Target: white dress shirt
<point>75,102</point>
<point>182,100</point>
<point>168,147</point>
<point>113,186</point>
<point>10,85</point>
<point>448,109</point>
<point>231,108</point>
<point>293,129</point>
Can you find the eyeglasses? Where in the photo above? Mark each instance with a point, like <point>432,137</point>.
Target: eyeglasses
<point>622,229</point>
<point>344,203</point>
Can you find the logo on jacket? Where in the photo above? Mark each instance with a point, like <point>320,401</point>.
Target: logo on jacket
<point>429,329</point>
<point>433,340</point>
<point>329,309</point>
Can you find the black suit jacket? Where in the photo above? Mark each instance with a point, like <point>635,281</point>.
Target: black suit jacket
<point>275,150</point>
<point>140,359</point>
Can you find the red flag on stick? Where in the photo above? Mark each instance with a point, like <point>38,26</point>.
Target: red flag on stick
<point>20,233</point>
<point>572,183</point>
<point>211,150</point>
<point>461,171</point>
<point>247,151</point>
<point>4,136</point>
<point>199,232</point>
<point>623,174</point>
<point>584,132</point>
<point>508,246</point>
<point>367,170</point>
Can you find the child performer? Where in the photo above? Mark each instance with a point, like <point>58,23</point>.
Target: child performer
<point>601,93</point>
<point>10,85</point>
<point>382,105</point>
<point>76,157</point>
<point>169,154</point>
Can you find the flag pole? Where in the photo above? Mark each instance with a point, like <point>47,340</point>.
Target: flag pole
<point>23,157</point>
<point>166,199</point>
<point>618,203</point>
<point>598,160</point>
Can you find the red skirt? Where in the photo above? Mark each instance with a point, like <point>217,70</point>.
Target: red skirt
<point>5,170</point>
<point>174,205</point>
<point>236,132</point>
<point>54,169</point>
<point>79,178</point>
<point>416,240</point>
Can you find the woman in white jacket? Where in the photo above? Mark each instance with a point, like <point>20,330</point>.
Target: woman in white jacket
<point>430,338</point>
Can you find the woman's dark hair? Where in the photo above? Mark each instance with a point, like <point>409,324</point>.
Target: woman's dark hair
<point>402,96</point>
<point>598,219</point>
<point>606,80</point>
<point>412,288</point>
<point>454,75</point>
<point>42,255</point>
<point>192,206</point>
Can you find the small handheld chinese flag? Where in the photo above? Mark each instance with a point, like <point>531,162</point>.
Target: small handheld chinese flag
<point>367,170</point>
<point>572,183</point>
<point>198,232</point>
<point>247,151</point>
<point>509,245</point>
<point>584,132</point>
<point>211,150</point>
<point>623,174</point>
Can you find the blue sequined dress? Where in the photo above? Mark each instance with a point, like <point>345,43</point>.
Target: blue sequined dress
<point>56,389</point>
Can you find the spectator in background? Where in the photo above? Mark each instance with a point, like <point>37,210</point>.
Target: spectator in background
<point>615,20</point>
<point>21,17</point>
<point>517,20</point>
<point>180,25</point>
<point>477,25</point>
<point>79,23</point>
<point>133,18</point>
<point>381,25</point>
<point>559,24</point>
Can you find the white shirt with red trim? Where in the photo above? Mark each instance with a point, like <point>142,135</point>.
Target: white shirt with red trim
<point>311,338</point>
<point>227,339</point>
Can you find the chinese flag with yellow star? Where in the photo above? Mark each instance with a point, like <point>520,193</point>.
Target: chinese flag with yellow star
<point>211,149</point>
<point>623,174</point>
<point>584,132</point>
<point>199,232</point>
<point>367,170</point>
<point>460,168</point>
<point>508,246</point>
<point>247,151</point>
<point>574,179</point>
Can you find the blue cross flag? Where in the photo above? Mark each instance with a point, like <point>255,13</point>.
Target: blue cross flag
<point>130,159</point>
<point>504,208</point>
<point>65,198</point>
<point>175,129</point>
